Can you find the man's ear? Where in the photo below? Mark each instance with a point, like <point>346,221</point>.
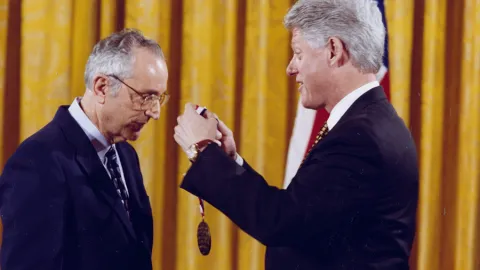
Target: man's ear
<point>337,55</point>
<point>100,87</point>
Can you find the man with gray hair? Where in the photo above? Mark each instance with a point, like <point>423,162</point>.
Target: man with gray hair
<point>352,203</point>
<point>72,196</point>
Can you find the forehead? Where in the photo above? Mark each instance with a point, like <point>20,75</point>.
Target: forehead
<point>297,38</point>
<point>148,62</point>
<point>150,70</point>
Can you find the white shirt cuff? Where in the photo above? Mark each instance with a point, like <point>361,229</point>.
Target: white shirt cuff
<point>239,160</point>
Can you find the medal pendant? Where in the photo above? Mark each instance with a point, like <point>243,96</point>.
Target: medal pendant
<point>204,238</point>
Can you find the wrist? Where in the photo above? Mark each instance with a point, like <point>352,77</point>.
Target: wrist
<point>200,149</point>
<point>195,149</point>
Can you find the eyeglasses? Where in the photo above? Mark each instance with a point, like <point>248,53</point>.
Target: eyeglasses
<point>148,100</point>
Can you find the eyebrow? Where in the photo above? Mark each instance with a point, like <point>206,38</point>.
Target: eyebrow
<point>154,92</point>
<point>296,49</point>
<point>151,92</point>
<point>294,45</point>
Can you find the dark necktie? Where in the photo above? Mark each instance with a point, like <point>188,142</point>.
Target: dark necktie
<point>115,174</point>
<point>321,134</point>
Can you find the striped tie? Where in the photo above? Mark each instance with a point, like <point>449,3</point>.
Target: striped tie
<point>114,169</point>
<point>323,132</point>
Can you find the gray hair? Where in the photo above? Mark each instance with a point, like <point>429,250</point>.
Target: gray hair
<point>358,23</point>
<point>113,55</point>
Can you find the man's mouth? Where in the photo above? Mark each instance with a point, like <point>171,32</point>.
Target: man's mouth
<point>137,126</point>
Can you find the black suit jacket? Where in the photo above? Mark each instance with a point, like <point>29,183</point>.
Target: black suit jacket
<point>350,206</point>
<point>60,210</point>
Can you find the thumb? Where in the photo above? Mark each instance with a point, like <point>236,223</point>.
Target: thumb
<point>219,135</point>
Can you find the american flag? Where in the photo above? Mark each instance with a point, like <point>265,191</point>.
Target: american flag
<point>309,122</point>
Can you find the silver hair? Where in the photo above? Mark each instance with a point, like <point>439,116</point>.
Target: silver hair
<point>357,23</point>
<point>113,55</point>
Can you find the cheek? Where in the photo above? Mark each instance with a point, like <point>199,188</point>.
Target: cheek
<point>309,73</point>
<point>117,116</point>
<point>317,70</point>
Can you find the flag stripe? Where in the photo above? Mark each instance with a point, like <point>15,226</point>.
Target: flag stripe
<point>299,141</point>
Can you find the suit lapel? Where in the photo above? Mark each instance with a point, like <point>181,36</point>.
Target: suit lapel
<point>371,96</point>
<point>88,160</point>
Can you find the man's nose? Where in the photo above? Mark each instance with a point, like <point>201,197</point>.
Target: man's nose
<point>154,111</point>
<point>291,69</point>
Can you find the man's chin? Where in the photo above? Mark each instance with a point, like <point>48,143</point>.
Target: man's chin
<point>131,135</point>
<point>311,105</point>
<point>306,103</point>
<point>134,136</point>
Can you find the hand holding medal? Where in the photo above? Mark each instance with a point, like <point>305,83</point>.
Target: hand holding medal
<point>193,135</point>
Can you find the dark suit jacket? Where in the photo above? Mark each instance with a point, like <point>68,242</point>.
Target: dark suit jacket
<point>350,206</point>
<point>60,210</point>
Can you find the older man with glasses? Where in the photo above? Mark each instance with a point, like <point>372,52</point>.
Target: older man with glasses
<point>72,195</point>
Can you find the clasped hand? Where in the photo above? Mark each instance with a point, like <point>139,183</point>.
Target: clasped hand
<point>192,128</point>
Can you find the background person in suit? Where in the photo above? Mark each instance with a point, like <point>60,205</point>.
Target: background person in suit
<point>352,203</point>
<point>72,195</point>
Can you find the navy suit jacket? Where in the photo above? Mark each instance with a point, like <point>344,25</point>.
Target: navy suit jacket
<point>60,210</point>
<point>352,205</point>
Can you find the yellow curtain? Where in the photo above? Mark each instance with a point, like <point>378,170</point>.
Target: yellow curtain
<point>434,67</point>
<point>3,54</point>
<point>231,57</point>
<point>208,77</point>
<point>3,60</point>
<point>265,95</point>
<point>466,234</point>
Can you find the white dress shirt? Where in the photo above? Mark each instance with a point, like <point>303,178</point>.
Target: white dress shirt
<point>98,141</point>
<point>339,110</point>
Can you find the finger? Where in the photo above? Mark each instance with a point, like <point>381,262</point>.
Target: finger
<point>180,141</point>
<point>213,115</point>
<point>180,119</point>
<point>189,107</point>
<point>223,128</point>
<point>208,114</point>
<point>218,143</point>
<point>179,130</point>
<point>219,135</point>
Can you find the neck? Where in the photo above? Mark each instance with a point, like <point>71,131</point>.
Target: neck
<point>88,106</point>
<point>345,87</point>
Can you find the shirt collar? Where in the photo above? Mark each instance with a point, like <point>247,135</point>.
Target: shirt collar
<point>97,139</point>
<point>341,108</point>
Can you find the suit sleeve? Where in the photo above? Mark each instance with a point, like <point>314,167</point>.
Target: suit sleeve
<point>326,192</point>
<point>32,201</point>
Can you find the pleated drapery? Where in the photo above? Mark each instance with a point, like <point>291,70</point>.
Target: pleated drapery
<point>231,57</point>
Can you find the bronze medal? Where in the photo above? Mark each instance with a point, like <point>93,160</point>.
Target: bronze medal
<point>204,238</point>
